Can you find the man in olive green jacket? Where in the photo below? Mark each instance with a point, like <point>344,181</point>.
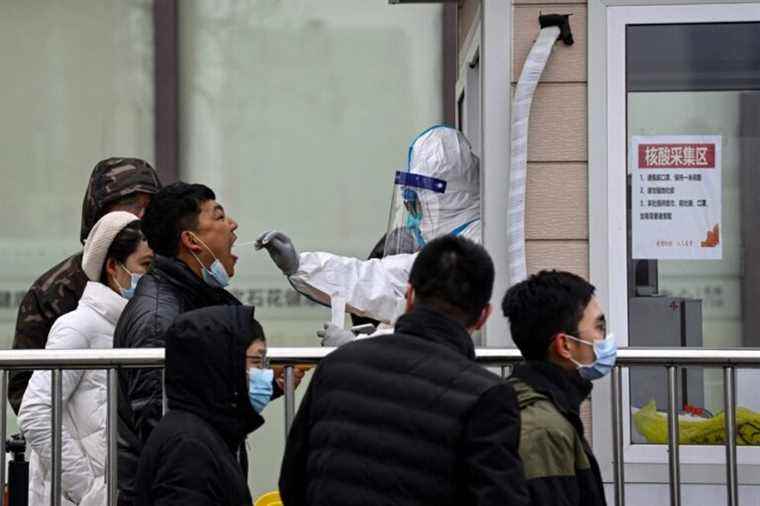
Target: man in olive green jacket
<point>559,327</point>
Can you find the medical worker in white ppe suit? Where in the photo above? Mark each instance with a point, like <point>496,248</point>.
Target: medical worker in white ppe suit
<point>438,194</point>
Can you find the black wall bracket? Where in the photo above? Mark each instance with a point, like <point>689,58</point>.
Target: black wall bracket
<point>560,20</point>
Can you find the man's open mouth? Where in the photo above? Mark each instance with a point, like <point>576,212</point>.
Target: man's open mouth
<point>232,245</point>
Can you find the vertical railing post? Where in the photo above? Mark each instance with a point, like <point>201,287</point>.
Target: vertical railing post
<point>290,398</point>
<point>164,400</point>
<point>111,432</point>
<point>57,431</point>
<point>617,436</point>
<point>673,458</point>
<point>3,425</point>
<point>729,385</point>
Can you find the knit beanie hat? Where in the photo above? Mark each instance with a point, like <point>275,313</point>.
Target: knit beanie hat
<point>99,241</point>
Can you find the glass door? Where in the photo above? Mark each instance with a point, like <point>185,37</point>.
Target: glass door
<point>682,128</point>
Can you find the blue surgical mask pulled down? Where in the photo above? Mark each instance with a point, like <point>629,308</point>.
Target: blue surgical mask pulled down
<point>605,351</point>
<point>260,387</point>
<point>128,293</point>
<point>214,275</point>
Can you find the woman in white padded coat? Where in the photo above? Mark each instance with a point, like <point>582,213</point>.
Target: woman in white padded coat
<point>115,256</point>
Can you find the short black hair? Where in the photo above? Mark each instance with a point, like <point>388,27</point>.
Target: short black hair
<point>544,305</point>
<point>172,210</point>
<point>124,244</point>
<point>257,331</point>
<point>455,276</point>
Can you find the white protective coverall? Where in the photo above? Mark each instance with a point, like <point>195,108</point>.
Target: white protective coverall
<point>375,288</point>
<point>90,325</point>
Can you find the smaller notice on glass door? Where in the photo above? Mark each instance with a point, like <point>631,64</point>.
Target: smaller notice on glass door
<point>676,197</point>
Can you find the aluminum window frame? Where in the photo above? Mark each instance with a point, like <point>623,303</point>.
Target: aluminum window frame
<point>495,79</point>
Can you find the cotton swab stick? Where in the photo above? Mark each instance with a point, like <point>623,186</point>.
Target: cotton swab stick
<point>238,245</point>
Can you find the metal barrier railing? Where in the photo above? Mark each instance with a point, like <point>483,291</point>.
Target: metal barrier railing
<point>112,360</point>
<point>672,359</point>
<point>56,361</point>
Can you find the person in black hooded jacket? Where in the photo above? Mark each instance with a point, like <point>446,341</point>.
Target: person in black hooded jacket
<point>191,456</point>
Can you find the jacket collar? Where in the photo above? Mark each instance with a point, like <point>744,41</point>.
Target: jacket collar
<point>567,390</point>
<point>103,301</point>
<point>432,325</point>
<point>176,272</point>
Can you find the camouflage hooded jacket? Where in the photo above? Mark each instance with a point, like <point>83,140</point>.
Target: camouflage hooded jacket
<point>58,290</point>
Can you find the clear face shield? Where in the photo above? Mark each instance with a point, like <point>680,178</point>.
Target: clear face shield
<point>414,212</point>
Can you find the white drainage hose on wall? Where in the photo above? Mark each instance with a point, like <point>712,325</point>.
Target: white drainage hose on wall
<point>526,87</point>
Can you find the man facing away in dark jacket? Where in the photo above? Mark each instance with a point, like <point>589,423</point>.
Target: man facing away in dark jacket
<point>116,184</point>
<point>559,327</point>
<point>192,238</point>
<point>215,373</point>
<point>410,418</point>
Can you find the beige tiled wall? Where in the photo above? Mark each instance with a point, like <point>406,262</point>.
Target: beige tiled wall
<point>557,193</point>
<point>557,199</point>
<point>557,131</point>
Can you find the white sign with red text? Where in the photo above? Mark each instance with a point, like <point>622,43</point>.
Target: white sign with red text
<point>676,197</point>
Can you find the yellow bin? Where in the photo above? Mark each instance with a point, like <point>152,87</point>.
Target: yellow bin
<point>269,499</point>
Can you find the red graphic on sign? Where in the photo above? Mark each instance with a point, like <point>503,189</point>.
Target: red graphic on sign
<point>676,156</point>
<point>713,238</point>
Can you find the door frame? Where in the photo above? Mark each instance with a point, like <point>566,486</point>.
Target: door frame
<point>607,221</point>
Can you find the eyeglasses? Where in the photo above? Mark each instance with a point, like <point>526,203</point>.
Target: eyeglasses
<point>257,361</point>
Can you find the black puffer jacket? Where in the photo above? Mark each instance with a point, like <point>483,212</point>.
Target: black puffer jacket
<point>191,456</point>
<point>405,419</point>
<point>169,289</point>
